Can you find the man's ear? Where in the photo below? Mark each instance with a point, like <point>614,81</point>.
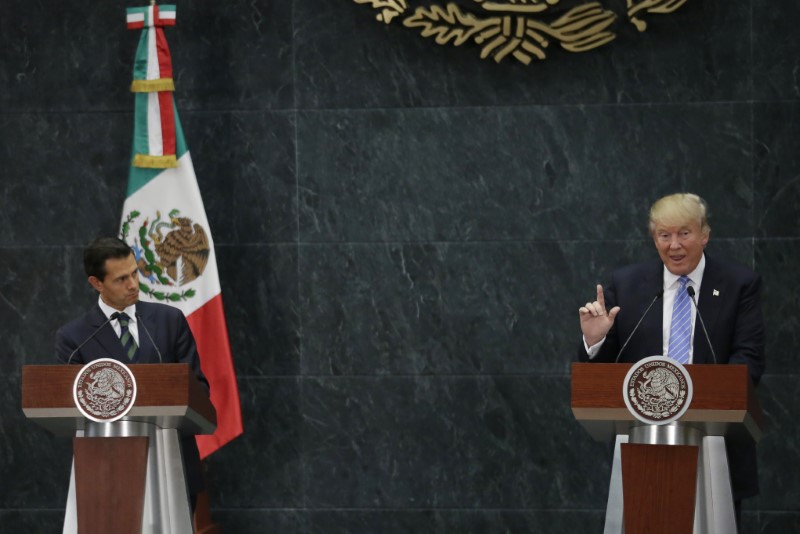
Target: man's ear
<point>95,283</point>
<point>705,239</point>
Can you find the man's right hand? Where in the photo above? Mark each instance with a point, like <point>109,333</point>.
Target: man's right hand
<point>595,320</point>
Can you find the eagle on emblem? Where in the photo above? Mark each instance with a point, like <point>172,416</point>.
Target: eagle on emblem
<point>189,243</point>
<point>182,247</point>
<point>107,384</point>
<point>661,384</point>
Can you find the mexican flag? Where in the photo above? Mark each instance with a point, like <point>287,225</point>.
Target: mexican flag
<point>165,223</point>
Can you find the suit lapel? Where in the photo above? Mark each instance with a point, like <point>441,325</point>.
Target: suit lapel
<point>147,353</point>
<point>653,325</point>
<point>708,304</point>
<point>648,279</point>
<point>107,338</point>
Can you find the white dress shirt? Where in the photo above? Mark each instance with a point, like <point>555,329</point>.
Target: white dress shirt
<point>133,325</point>
<point>671,285</point>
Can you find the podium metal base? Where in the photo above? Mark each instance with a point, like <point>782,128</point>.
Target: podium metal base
<point>166,499</point>
<point>714,513</point>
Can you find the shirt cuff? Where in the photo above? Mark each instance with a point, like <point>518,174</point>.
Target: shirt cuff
<point>594,349</point>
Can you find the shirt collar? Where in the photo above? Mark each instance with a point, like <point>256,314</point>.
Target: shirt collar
<point>694,277</point>
<point>108,311</point>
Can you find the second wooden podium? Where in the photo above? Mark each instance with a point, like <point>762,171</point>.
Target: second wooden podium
<point>670,478</point>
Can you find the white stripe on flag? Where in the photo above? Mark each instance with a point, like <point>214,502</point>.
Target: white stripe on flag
<point>153,68</point>
<point>135,17</point>
<point>155,140</point>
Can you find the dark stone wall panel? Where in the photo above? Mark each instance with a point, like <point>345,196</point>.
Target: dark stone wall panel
<point>64,176</point>
<point>779,399</point>
<point>517,173</point>
<point>777,262</point>
<point>459,442</point>
<point>33,521</point>
<point>765,522</point>
<point>776,169</point>
<point>264,467</point>
<point>258,521</point>
<point>35,465</point>
<point>776,50</point>
<point>430,521</point>
<point>259,291</point>
<point>442,309</point>
<point>57,56</point>
<point>449,521</point>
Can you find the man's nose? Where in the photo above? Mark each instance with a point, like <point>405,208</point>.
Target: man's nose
<point>674,243</point>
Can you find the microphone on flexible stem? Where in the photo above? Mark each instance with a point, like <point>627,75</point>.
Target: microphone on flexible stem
<point>111,318</point>
<point>146,331</point>
<point>658,296</point>
<point>690,290</point>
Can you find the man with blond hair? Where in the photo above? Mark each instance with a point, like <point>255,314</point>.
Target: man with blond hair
<point>728,297</point>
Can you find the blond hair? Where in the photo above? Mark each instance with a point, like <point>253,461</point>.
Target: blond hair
<point>678,210</point>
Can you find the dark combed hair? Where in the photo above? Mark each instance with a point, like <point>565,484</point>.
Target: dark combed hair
<point>98,251</point>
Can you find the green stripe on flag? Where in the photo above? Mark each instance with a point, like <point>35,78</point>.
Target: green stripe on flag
<point>139,177</point>
<point>136,10</point>
<point>140,60</point>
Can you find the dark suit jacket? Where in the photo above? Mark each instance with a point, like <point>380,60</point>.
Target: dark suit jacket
<point>733,320</point>
<point>171,335</point>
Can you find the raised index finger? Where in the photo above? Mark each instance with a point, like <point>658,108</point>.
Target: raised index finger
<point>601,298</point>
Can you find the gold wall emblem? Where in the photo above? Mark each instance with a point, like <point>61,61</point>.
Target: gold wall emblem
<point>635,9</point>
<point>522,29</point>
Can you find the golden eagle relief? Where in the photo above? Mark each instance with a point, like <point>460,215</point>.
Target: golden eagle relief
<point>520,29</point>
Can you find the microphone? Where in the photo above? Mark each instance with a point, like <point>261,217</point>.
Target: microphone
<point>690,290</point>
<point>113,316</point>
<point>658,296</point>
<point>146,331</point>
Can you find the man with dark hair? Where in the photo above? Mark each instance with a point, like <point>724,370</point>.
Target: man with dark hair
<point>111,269</point>
<point>100,250</point>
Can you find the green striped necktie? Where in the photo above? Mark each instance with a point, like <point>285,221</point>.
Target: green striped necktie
<point>125,336</point>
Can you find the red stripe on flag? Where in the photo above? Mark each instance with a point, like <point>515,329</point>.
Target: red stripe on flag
<point>136,25</point>
<point>211,335</point>
<point>164,57</point>
<point>165,108</point>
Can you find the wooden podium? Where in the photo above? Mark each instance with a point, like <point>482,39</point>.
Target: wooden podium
<point>669,478</point>
<point>128,474</point>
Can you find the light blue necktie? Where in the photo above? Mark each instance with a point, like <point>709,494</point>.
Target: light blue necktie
<point>680,332</point>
